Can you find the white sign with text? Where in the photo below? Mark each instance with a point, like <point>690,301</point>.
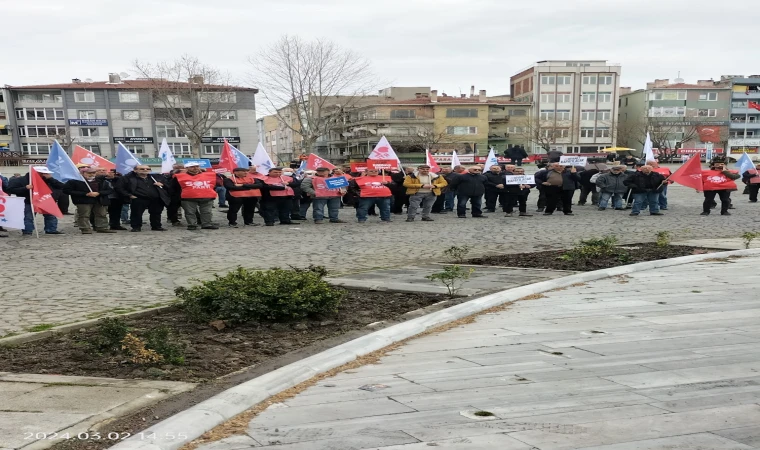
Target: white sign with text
<point>573,160</point>
<point>520,179</point>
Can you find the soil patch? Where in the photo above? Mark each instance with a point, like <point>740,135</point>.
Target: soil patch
<point>553,259</point>
<point>210,353</point>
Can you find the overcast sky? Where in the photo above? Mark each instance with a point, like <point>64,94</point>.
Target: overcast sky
<point>446,44</point>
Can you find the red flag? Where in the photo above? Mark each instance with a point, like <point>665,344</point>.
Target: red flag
<point>689,174</point>
<point>84,156</point>
<point>227,159</point>
<point>42,197</point>
<point>315,162</point>
<point>753,105</point>
<point>431,162</point>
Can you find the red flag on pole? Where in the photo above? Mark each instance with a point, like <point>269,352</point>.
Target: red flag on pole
<point>753,105</point>
<point>227,158</point>
<point>431,162</point>
<point>83,156</point>
<point>315,162</point>
<point>689,174</point>
<point>42,197</point>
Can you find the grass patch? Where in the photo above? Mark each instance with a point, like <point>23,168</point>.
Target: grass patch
<point>41,327</point>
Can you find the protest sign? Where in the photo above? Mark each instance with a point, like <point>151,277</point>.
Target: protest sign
<point>567,160</point>
<point>520,179</point>
<point>336,182</point>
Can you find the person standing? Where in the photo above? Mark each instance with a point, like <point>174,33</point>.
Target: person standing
<point>172,210</point>
<point>440,201</point>
<point>470,186</point>
<point>145,191</point>
<point>587,187</point>
<point>116,201</point>
<point>559,185</point>
<point>753,188</point>
<point>243,192</point>
<point>91,197</point>
<point>665,172</point>
<point>400,199</point>
<point>373,190</point>
<point>718,181</point>
<point>612,186</point>
<point>495,189</point>
<point>423,188</point>
<point>20,186</point>
<point>516,154</point>
<point>277,197</point>
<point>645,185</point>
<point>197,190</point>
<point>517,195</point>
<point>321,195</point>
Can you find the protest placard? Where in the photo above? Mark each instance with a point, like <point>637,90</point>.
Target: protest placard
<point>520,179</point>
<point>568,160</point>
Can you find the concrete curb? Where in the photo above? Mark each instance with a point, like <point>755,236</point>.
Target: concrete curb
<point>206,415</point>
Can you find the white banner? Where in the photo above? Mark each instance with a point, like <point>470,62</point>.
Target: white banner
<point>11,212</point>
<point>573,160</point>
<point>520,179</point>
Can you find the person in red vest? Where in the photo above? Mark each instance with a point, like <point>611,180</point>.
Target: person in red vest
<point>373,190</point>
<point>243,191</point>
<point>665,172</point>
<point>197,191</point>
<point>718,181</point>
<point>277,197</point>
<point>316,188</point>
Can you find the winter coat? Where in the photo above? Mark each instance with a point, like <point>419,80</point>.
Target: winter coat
<point>586,178</point>
<point>78,191</point>
<point>612,183</point>
<point>639,182</point>
<point>17,186</point>
<point>516,153</point>
<point>469,184</point>
<point>412,184</point>
<point>570,181</point>
<point>127,186</point>
<point>494,179</point>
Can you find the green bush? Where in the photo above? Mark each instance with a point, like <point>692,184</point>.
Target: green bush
<point>452,277</point>
<point>270,295</point>
<point>166,343</point>
<point>663,238</point>
<point>110,332</point>
<point>457,254</point>
<point>592,248</point>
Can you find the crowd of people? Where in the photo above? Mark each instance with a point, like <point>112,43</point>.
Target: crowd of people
<point>105,200</point>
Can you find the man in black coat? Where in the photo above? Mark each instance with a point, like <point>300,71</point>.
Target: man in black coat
<point>516,154</point>
<point>752,179</point>
<point>400,199</point>
<point>495,188</point>
<point>470,186</point>
<point>91,198</point>
<point>20,187</point>
<point>145,191</point>
<point>559,185</point>
<point>646,185</point>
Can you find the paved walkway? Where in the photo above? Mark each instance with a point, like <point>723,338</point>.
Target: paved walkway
<point>63,279</point>
<point>665,359</point>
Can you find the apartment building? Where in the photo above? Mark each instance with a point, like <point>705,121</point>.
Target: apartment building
<point>574,104</point>
<point>5,137</point>
<point>744,127</point>
<point>97,115</point>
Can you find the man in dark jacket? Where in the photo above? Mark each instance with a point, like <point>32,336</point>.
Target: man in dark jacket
<point>470,187</point>
<point>517,195</point>
<point>752,179</point>
<point>400,199</point>
<point>495,189</point>
<point>516,154</point>
<point>145,191</point>
<point>90,197</point>
<point>554,155</point>
<point>587,187</point>
<point>20,187</point>
<point>559,185</point>
<point>629,161</point>
<point>173,209</point>
<point>646,186</point>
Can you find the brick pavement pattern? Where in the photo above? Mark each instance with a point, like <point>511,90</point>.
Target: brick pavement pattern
<point>64,279</point>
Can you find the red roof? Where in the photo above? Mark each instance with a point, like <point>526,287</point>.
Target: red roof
<point>452,101</point>
<point>127,84</point>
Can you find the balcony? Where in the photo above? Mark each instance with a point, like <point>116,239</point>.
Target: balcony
<point>375,118</point>
<point>749,142</point>
<point>498,118</point>
<point>753,95</point>
<point>751,125</point>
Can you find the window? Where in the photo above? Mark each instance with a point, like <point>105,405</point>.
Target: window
<point>563,114</point>
<point>39,114</point>
<point>212,149</point>
<point>603,132</point>
<point>681,95</point>
<point>88,132</point>
<point>667,111</point>
<point>133,132</point>
<point>461,130</point>
<point>41,130</point>
<point>515,129</point>
<point>167,131</point>
<point>34,148</point>
<point>92,148</point>
<point>587,132</point>
<point>461,112</point>
<point>560,133</point>
<point>588,97</point>
<point>588,114</point>
<point>709,96</point>
<point>173,99</point>
<point>223,132</point>
<point>130,114</point>
<point>129,97</point>
<point>605,79</point>
<point>563,98</point>
<point>84,97</point>
<point>554,133</point>
<point>180,149</point>
<point>707,112</point>
<point>40,98</point>
<point>547,79</point>
<point>2,115</point>
<point>606,97</point>
<point>135,149</point>
<point>403,114</point>
<point>739,104</point>
<point>518,112</point>
<point>86,114</point>
<point>604,114</point>
<point>547,98</point>
<point>589,79</point>
<point>546,114</point>
<point>227,97</point>
<point>228,115</point>
<point>564,79</point>
<point>218,97</point>
<point>2,99</point>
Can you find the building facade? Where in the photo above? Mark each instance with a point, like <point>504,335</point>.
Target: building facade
<point>98,115</point>
<point>744,129</point>
<point>574,104</point>
<point>678,116</point>
<point>5,136</point>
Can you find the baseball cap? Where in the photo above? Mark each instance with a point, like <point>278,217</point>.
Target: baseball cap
<point>41,169</point>
<point>80,165</point>
<point>192,164</point>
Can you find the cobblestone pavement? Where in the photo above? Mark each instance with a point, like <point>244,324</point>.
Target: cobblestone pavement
<point>658,359</point>
<point>62,279</point>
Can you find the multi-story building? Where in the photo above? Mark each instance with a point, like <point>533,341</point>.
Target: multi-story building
<point>678,116</point>
<point>574,104</point>
<point>5,137</point>
<point>744,129</point>
<point>97,115</point>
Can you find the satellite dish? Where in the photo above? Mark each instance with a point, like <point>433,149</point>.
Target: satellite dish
<point>88,80</point>
<point>124,74</point>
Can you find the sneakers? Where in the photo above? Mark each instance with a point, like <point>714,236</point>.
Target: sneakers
<point>233,225</point>
<point>410,219</point>
<point>251,224</point>
<point>427,219</point>
<point>540,210</point>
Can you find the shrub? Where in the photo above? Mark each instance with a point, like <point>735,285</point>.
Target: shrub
<point>663,238</point>
<point>271,295</point>
<point>110,332</point>
<point>593,248</point>
<point>166,343</point>
<point>134,347</point>
<point>452,277</point>
<point>748,237</point>
<point>456,254</point>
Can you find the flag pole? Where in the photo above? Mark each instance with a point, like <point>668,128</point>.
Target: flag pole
<point>31,202</point>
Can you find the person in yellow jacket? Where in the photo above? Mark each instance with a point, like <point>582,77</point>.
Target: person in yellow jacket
<point>422,187</point>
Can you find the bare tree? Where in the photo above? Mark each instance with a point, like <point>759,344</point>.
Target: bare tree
<point>309,85</point>
<point>546,133</point>
<point>191,95</point>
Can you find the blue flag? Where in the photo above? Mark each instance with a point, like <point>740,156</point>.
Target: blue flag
<point>61,165</point>
<point>744,163</point>
<point>125,160</point>
<point>242,160</point>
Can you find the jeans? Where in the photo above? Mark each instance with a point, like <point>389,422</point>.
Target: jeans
<point>318,208</point>
<point>247,204</point>
<point>617,200</point>
<point>725,200</point>
<point>99,213</point>
<point>475,202</point>
<point>277,208</point>
<point>51,222</point>
<point>651,198</point>
<point>663,198</point>
<point>426,199</point>
<point>555,195</point>
<point>383,204</point>
<point>221,192</point>
<point>155,208</point>
<point>448,201</point>
<point>198,205</point>
<point>125,213</point>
